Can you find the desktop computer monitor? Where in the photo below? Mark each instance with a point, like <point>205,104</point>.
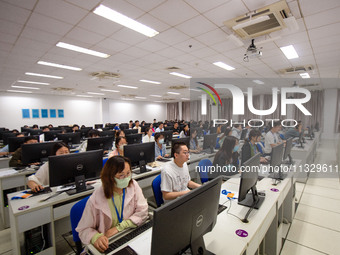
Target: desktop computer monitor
<point>181,223</point>
<point>167,136</point>
<point>168,128</point>
<point>140,154</point>
<point>130,131</point>
<point>51,135</point>
<point>107,133</point>
<point>133,138</point>
<point>209,142</point>
<point>185,140</point>
<point>15,142</point>
<point>6,135</point>
<point>75,168</point>
<point>317,126</point>
<point>300,141</point>
<point>70,138</point>
<point>248,181</point>
<point>276,161</point>
<point>124,126</point>
<point>84,131</point>
<point>310,132</point>
<point>36,152</point>
<point>35,131</point>
<point>288,148</point>
<point>243,134</point>
<point>213,130</point>
<point>104,143</point>
<point>96,126</point>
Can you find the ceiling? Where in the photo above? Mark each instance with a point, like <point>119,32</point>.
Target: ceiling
<point>191,37</point>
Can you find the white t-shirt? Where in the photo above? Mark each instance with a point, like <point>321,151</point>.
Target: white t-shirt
<point>270,138</point>
<point>174,178</point>
<point>147,139</point>
<point>42,176</point>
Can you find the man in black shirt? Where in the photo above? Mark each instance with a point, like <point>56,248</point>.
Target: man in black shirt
<point>176,130</point>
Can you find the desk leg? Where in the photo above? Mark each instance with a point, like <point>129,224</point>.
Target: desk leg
<point>271,238</point>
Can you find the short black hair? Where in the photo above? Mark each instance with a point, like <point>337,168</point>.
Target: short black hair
<point>29,138</point>
<point>93,132</point>
<point>157,136</point>
<point>147,129</point>
<point>176,148</point>
<point>118,139</point>
<point>59,145</point>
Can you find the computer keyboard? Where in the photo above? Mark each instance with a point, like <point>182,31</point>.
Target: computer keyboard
<point>163,159</point>
<point>137,231</point>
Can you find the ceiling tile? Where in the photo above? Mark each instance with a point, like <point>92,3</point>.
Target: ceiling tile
<point>83,37</point>
<point>213,37</point>
<point>153,22</point>
<point>39,35</point>
<point>129,36</point>
<point>111,46</point>
<point>196,26</point>
<point>13,13</point>
<point>85,4</point>
<point>10,27</point>
<point>203,6</point>
<point>146,5</point>
<point>309,7</point>
<point>172,36</point>
<point>323,18</point>
<point>27,4</point>
<point>152,45</point>
<point>124,8</point>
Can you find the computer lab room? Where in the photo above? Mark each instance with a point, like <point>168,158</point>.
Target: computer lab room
<point>168,127</point>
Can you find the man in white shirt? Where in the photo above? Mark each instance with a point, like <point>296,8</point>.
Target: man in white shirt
<point>272,138</point>
<point>175,174</point>
<point>137,127</point>
<point>160,128</point>
<point>148,137</point>
<point>236,131</point>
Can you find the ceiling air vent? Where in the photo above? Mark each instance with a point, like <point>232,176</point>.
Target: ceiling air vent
<point>297,69</point>
<point>172,68</point>
<point>309,85</point>
<point>178,87</point>
<point>260,22</point>
<point>104,75</point>
<point>60,89</point>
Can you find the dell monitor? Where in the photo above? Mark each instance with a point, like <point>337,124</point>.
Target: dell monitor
<point>300,141</point>
<point>185,140</point>
<point>104,143</point>
<point>133,138</point>
<point>182,223</point>
<point>213,130</point>
<point>36,152</point>
<point>70,138</point>
<point>140,154</point>
<point>6,135</point>
<point>130,131</point>
<point>288,148</point>
<point>248,181</point>
<point>276,161</point>
<point>84,131</point>
<point>107,133</point>
<point>209,142</point>
<point>167,136</point>
<point>35,131</point>
<point>97,126</point>
<point>123,126</point>
<point>75,168</point>
<point>51,135</point>
<point>15,142</point>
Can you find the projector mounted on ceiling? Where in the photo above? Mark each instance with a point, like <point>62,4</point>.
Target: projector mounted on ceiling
<point>252,52</point>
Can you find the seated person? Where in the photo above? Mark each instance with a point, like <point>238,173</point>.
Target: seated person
<point>249,148</point>
<point>148,136</point>
<point>226,158</point>
<point>194,146</point>
<point>176,130</point>
<point>175,174</point>
<point>160,148</point>
<point>153,129</point>
<point>93,133</point>
<point>293,131</point>
<point>116,127</point>
<point>41,178</point>
<point>120,133</point>
<point>160,128</point>
<point>15,161</point>
<point>5,150</point>
<point>227,132</point>
<point>118,204</point>
<point>185,132</point>
<point>236,131</point>
<point>272,138</point>
<point>137,127</point>
<point>75,127</point>
<point>120,143</point>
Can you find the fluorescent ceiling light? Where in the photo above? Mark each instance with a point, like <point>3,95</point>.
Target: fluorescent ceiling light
<point>19,91</point>
<point>129,87</point>
<point>153,82</point>
<point>258,82</point>
<point>173,93</point>
<point>197,90</point>
<point>158,101</point>
<point>95,93</point>
<point>140,97</point>
<point>183,98</point>
<point>59,66</point>
<point>251,22</point>
<point>110,90</point>
<point>289,51</point>
<point>119,18</point>
<point>127,99</point>
<point>82,50</point>
<point>304,75</point>
<point>23,87</point>
<point>34,82</point>
<point>83,96</point>
<point>155,96</point>
<point>224,66</point>
<point>45,75</point>
<point>180,75</point>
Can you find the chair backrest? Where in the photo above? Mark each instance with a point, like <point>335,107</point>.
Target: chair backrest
<point>203,170</point>
<point>104,161</point>
<point>75,215</point>
<point>156,187</point>
<point>282,137</point>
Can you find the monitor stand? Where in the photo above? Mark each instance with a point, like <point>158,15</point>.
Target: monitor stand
<point>142,168</point>
<point>211,149</point>
<point>80,185</point>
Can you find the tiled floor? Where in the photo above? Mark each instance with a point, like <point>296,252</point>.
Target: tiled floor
<point>316,226</point>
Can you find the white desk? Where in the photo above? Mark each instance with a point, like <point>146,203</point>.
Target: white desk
<point>4,162</point>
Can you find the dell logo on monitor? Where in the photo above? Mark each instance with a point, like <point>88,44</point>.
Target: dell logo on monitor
<point>199,221</point>
<point>80,167</point>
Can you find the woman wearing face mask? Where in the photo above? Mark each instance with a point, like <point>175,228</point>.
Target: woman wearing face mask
<point>249,149</point>
<point>194,146</point>
<point>41,177</point>
<point>160,148</point>
<point>116,205</point>
<point>120,143</point>
<point>226,158</point>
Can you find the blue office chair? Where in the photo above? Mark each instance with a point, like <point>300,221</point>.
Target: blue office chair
<point>75,215</point>
<point>104,161</point>
<point>282,137</point>
<point>202,165</point>
<point>156,188</point>
<point>217,143</point>
<point>259,148</point>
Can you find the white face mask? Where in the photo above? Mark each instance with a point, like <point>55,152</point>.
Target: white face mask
<point>161,141</point>
<point>121,147</point>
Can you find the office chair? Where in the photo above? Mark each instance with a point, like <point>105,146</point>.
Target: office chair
<point>217,143</point>
<point>75,216</point>
<point>203,164</point>
<point>104,161</point>
<point>156,188</point>
<point>282,137</point>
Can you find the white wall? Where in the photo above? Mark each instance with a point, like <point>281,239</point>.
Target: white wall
<point>87,111</point>
<point>329,112</point>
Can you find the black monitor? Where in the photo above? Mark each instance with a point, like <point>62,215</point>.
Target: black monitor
<point>75,168</point>
<point>317,126</point>
<point>15,142</point>
<point>185,140</point>
<point>96,126</point>
<point>6,135</point>
<point>243,134</point>
<point>181,223</point>
<point>167,136</point>
<point>24,129</point>
<point>70,138</point>
<point>36,152</point>
<point>133,138</point>
<point>123,126</point>
<point>168,128</point>
<point>288,148</point>
<point>276,161</point>
<point>104,143</point>
<point>249,176</point>
<point>140,154</point>
<point>209,142</point>
<point>213,130</point>
<point>35,131</point>
<point>67,128</point>
<point>84,131</point>
<point>130,131</point>
<point>51,135</point>
<point>310,133</point>
<point>107,133</point>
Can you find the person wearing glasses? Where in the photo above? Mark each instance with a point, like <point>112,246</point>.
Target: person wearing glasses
<point>175,174</point>
<point>116,205</point>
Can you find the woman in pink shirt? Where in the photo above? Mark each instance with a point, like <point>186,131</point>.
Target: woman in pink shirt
<point>120,143</point>
<point>118,204</point>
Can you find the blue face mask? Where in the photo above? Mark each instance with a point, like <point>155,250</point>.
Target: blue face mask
<point>235,148</point>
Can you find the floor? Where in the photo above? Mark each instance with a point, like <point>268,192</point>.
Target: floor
<point>315,229</point>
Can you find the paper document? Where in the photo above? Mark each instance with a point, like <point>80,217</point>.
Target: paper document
<point>7,172</point>
<point>142,244</point>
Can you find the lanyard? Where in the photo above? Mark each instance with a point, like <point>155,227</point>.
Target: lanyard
<point>273,136</point>
<point>120,218</point>
<point>254,148</point>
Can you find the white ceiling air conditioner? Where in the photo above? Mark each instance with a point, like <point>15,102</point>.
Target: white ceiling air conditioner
<point>260,22</point>
<point>297,69</point>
